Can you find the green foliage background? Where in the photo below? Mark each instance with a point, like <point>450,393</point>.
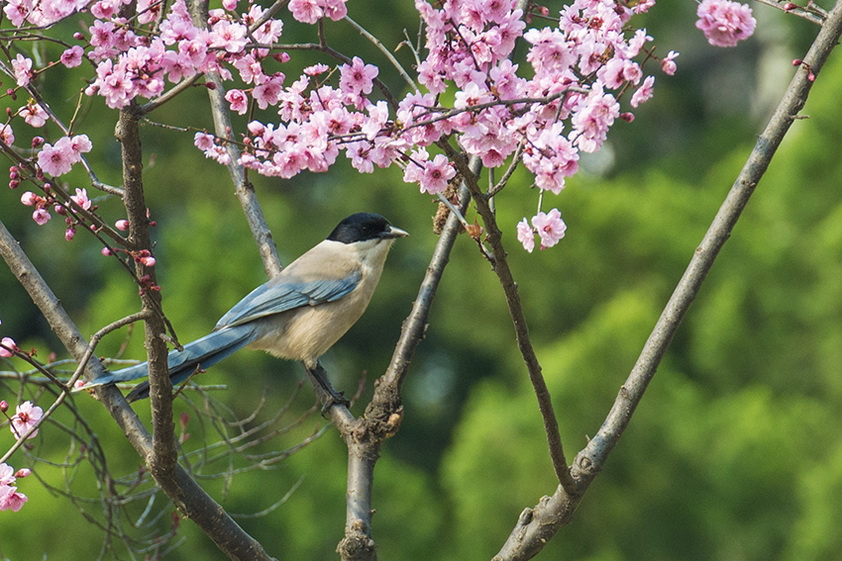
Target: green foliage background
<point>735,452</point>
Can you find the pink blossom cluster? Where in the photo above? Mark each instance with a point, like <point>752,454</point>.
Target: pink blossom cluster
<point>10,497</point>
<point>311,11</point>
<point>57,159</point>
<point>725,23</point>
<point>40,13</point>
<point>561,102</point>
<point>132,65</point>
<point>42,203</point>
<point>567,105</point>
<point>549,227</point>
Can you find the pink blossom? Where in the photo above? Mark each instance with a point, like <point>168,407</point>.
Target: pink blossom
<point>59,158</point>
<point>360,155</point>
<point>104,9</point>
<point>72,57</point>
<point>80,144</point>
<point>22,67</point>
<point>306,11</point>
<point>550,227</point>
<point>526,235</point>
<point>644,92</point>
<point>378,115</point>
<point>41,216</point>
<point>7,135</point>
<point>148,11</point>
<point>26,416</point>
<point>16,11</point>
<point>81,199</point>
<point>8,347</point>
<point>238,101</point>
<point>668,63</point>
<point>10,499</point>
<point>335,9</point>
<point>122,225</point>
<point>725,23</point>
<point>316,69</point>
<point>435,175</point>
<point>357,77</point>
<point>229,36</point>
<point>203,141</point>
<point>269,32</point>
<point>7,474</point>
<point>643,6</point>
<point>34,114</point>
<point>269,92</point>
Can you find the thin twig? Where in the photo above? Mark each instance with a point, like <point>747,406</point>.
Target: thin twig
<point>500,265</point>
<point>386,52</point>
<point>799,11</point>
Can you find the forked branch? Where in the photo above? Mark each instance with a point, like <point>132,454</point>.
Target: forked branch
<point>537,525</point>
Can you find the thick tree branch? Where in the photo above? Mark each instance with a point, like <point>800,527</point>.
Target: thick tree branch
<point>365,435</point>
<point>536,526</point>
<point>164,457</point>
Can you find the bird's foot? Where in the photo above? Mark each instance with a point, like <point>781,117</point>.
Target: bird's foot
<point>334,398</point>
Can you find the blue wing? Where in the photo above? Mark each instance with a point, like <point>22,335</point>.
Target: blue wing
<point>281,294</point>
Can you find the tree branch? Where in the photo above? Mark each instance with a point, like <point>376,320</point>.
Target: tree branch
<point>242,187</point>
<point>164,457</point>
<point>536,526</point>
<point>500,264</point>
<point>188,496</point>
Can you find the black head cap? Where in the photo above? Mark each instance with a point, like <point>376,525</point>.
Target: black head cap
<point>364,226</point>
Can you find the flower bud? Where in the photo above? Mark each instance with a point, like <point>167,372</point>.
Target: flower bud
<point>23,472</point>
<point>29,199</point>
<point>4,406</point>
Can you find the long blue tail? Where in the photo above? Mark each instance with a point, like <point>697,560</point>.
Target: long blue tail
<point>201,353</point>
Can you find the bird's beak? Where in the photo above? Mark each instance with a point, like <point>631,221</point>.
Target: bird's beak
<point>394,232</point>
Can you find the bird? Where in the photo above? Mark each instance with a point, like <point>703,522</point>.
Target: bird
<point>298,314</point>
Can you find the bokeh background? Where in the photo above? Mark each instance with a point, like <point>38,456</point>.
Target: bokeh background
<point>734,454</point>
